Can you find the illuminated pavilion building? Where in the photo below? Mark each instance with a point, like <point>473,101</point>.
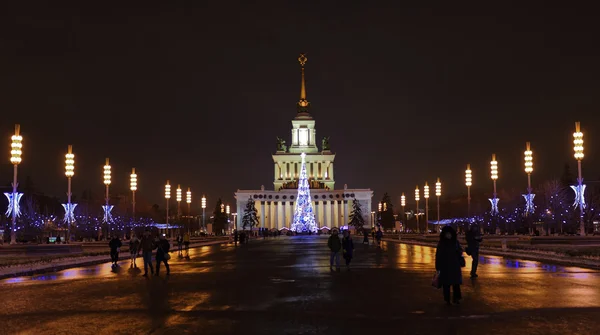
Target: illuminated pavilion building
<point>332,208</point>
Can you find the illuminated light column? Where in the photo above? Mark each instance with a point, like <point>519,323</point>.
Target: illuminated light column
<point>426,196</point>
<point>133,188</point>
<point>403,204</point>
<point>438,194</point>
<point>178,197</point>
<point>188,199</point>
<point>167,197</point>
<point>529,207</point>
<point>107,208</point>
<point>14,209</point>
<point>494,174</point>
<point>468,183</point>
<point>203,210</point>
<point>228,212</point>
<point>379,208</point>
<point>235,221</point>
<point>69,207</point>
<point>417,198</point>
<point>579,189</point>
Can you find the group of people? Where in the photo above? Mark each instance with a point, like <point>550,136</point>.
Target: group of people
<point>183,242</point>
<point>145,246</point>
<point>345,245</point>
<point>449,260</point>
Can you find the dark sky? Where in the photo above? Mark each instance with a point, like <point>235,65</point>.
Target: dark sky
<point>197,95</point>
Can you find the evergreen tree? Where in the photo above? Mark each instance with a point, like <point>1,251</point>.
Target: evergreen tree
<point>356,217</point>
<point>249,219</point>
<point>386,216</point>
<point>219,218</point>
<point>304,216</point>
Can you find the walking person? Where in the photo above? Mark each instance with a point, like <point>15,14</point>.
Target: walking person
<point>146,247</point>
<point>235,237</point>
<point>179,245</point>
<point>448,262</point>
<point>348,248</point>
<point>186,244</point>
<point>335,245</point>
<point>162,254</point>
<point>115,247</point>
<point>473,238</point>
<point>379,236</point>
<point>134,244</point>
<point>366,237</point>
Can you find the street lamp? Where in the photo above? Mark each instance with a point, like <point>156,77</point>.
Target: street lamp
<point>133,188</point>
<point>417,197</point>
<point>372,219</point>
<point>426,196</point>
<point>178,197</point>
<point>107,208</point>
<point>494,175</point>
<point>468,183</point>
<point>438,194</point>
<point>227,211</point>
<point>403,204</point>
<point>14,198</point>
<point>529,209</point>
<point>168,197</point>
<point>579,189</point>
<point>235,220</point>
<point>69,207</point>
<point>203,209</point>
<point>188,199</point>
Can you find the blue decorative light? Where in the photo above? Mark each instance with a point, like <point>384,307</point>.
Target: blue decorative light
<point>304,216</point>
<point>69,212</point>
<point>13,204</point>
<point>107,215</point>
<point>529,207</point>
<point>579,195</point>
<point>494,203</point>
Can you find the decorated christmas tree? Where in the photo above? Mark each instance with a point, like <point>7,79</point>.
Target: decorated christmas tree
<point>304,216</point>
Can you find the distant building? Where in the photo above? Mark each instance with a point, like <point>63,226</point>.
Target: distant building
<point>276,207</point>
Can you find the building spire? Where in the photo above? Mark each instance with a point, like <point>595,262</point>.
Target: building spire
<point>303,103</point>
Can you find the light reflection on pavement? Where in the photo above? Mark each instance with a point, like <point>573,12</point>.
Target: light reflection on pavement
<point>284,285</point>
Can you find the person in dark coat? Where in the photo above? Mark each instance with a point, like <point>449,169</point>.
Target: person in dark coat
<point>366,237</point>
<point>162,250</point>
<point>146,247</point>
<point>235,236</point>
<point>473,239</point>
<point>115,246</point>
<point>448,262</point>
<point>347,248</point>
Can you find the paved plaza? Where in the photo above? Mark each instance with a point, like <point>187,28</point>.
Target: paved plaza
<point>284,286</point>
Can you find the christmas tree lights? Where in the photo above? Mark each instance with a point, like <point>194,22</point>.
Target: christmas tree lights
<point>304,216</point>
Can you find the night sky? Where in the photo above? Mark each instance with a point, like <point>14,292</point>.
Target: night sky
<point>198,95</point>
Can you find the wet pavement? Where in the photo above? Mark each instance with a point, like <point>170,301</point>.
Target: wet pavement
<point>284,286</point>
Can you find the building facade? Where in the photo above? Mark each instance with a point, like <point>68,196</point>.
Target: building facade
<point>276,207</point>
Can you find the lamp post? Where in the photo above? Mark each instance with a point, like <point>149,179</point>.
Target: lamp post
<point>228,211</point>
<point>494,175</point>
<point>372,219</point>
<point>468,183</point>
<point>133,188</point>
<point>438,194</point>
<point>426,196</point>
<point>579,189</point>
<point>417,197</point>
<point>178,198</point>
<point>168,197</point>
<point>529,209</point>
<point>188,199</point>
<point>403,204</point>
<point>69,207</point>
<point>203,209</point>
<point>379,208</point>
<point>14,198</point>
<point>107,208</point>
<point>235,220</point>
